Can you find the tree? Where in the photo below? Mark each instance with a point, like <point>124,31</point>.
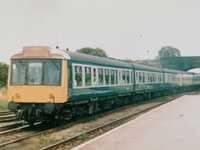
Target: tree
<point>3,74</point>
<point>93,51</point>
<point>169,51</point>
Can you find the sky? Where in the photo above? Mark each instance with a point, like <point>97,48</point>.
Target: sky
<point>128,29</point>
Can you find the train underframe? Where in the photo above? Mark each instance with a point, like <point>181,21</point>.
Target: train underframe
<point>49,112</point>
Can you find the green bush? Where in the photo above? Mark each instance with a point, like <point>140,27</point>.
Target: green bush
<point>93,51</point>
<point>3,105</point>
<point>3,74</point>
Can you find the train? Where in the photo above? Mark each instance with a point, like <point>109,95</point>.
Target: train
<point>47,84</point>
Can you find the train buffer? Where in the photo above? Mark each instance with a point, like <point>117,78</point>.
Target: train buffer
<point>173,126</point>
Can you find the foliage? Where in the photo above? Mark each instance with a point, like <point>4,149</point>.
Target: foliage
<point>3,105</point>
<point>83,136</point>
<point>3,74</point>
<point>44,140</point>
<point>93,51</point>
<point>169,51</point>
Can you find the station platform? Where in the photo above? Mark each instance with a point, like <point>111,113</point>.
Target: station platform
<point>173,126</point>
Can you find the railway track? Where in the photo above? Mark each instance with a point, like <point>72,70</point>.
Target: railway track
<point>76,137</point>
<point>10,126</point>
<point>13,128</point>
<point>7,118</point>
<point>10,134</point>
<point>2,113</point>
<point>37,132</point>
<point>98,130</point>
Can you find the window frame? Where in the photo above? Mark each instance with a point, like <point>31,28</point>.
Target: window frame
<point>91,75</point>
<point>97,67</point>
<point>27,69</point>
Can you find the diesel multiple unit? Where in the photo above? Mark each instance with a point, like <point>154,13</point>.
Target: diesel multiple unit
<point>44,85</point>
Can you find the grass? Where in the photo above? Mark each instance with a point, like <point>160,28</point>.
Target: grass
<point>83,136</point>
<point>3,102</point>
<point>3,105</point>
<point>44,141</point>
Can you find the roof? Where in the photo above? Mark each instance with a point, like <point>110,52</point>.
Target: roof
<point>37,52</point>
<point>176,71</point>
<point>172,71</point>
<point>33,52</point>
<point>89,59</point>
<point>84,58</point>
<point>149,68</point>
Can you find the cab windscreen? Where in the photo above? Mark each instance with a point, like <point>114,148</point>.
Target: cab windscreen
<point>36,72</point>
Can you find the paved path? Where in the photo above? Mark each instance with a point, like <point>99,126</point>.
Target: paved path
<point>173,126</point>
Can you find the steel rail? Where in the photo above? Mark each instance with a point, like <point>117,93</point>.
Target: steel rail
<point>5,112</point>
<point>110,125</point>
<point>7,116</point>
<point>13,130</point>
<point>39,132</point>
<point>11,126</point>
<point>72,123</point>
<point>8,119</point>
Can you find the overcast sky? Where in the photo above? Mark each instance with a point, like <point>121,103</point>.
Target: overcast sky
<point>134,29</point>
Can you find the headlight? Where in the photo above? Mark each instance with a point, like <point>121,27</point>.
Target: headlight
<point>52,98</point>
<point>17,96</point>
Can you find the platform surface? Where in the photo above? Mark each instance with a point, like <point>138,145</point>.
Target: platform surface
<point>173,126</point>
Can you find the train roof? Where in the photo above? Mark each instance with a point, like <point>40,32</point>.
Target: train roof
<point>145,67</point>
<point>39,52</point>
<point>102,61</point>
<point>171,71</point>
<point>176,71</point>
<point>43,52</point>
<point>84,58</point>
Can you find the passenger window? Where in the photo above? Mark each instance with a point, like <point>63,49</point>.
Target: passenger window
<point>112,76</point>
<point>88,81</point>
<point>148,77</point>
<point>100,75</point>
<point>159,78</point>
<point>151,78</point>
<point>137,76</point>
<point>140,77</point>
<point>123,77</point>
<point>154,78</point>
<point>107,76</point>
<point>143,77</point>
<point>128,77</point>
<point>116,76</point>
<point>131,74</point>
<point>94,76</point>
<point>78,76</point>
<point>120,76</point>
